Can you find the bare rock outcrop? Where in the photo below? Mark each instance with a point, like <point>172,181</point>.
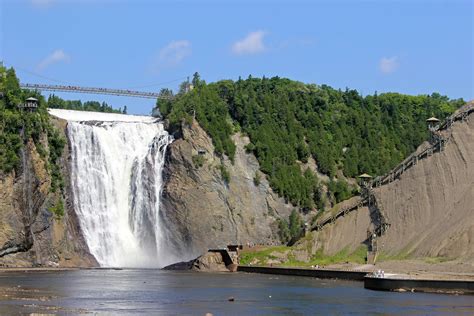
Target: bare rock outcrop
<point>202,210</point>
<point>30,234</point>
<point>208,262</point>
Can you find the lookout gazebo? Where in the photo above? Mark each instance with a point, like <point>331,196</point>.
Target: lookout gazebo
<point>432,123</point>
<point>31,104</point>
<point>364,179</point>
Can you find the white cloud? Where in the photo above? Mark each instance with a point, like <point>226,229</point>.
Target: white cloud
<point>55,57</point>
<point>42,3</point>
<point>174,53</point>
<point>388,65</point>
<point>251,44</point>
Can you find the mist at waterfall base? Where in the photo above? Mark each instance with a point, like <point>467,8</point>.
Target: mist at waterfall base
<point>116,180</point>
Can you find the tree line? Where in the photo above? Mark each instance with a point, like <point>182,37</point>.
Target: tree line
<point>55,102</point>
<point>290,123</point>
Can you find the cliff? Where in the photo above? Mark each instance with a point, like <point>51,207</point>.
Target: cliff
<point>30,234</point>
<point>202,209</point>
<point>430,208</point>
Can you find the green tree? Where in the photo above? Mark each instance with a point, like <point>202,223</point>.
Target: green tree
<point>296,224</point>
<point>283,231</point>
<point>289,122</point>
<point>196,79</point>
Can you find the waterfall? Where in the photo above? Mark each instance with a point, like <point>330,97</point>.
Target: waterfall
<point>116,179</point>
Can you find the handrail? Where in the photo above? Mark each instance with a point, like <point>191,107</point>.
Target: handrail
<point>92,90</point>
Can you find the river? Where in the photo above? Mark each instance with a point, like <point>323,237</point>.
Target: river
<point>157,292</point>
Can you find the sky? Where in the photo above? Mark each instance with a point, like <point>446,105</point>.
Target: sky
<point>406,46</point>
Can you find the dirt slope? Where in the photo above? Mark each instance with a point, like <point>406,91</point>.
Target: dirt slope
<point>430,208</point>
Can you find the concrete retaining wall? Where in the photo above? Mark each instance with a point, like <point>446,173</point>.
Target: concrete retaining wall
<point>315,273</point>
<point>432,286</point>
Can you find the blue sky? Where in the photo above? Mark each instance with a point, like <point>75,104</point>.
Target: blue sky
<point>414,47</point>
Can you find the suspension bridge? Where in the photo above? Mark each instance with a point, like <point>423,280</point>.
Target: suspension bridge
<point>92,90</point>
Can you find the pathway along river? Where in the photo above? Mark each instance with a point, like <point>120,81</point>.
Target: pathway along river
<point>156,292</point>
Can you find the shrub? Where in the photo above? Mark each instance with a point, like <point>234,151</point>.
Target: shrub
<point>256,179</point>
<point>58,208</point>
<point>224,173</point>
<point>198,161</point>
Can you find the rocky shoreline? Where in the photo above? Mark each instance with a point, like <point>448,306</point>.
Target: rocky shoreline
<point>208,262</point>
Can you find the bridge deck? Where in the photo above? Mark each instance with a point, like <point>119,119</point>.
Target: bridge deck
<point>91,90</point>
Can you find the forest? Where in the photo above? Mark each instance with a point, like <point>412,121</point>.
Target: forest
<point>17,125</point>
<point>290,123</point>
<point>55,102</point>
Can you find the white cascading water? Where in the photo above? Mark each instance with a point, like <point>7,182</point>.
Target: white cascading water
<point>116,175</point>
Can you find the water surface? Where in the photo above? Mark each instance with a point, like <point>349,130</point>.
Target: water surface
<point>156,292</point>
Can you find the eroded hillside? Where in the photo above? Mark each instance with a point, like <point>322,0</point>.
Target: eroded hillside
<point>430,208</point>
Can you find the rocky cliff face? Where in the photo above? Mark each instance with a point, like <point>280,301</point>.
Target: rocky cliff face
<point>202,210</point>
<point>430,208</point>
<point>29,233</point>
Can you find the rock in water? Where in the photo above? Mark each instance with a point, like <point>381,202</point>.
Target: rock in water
<point>208,262</point>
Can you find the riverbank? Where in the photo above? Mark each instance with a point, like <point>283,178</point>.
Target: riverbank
<point>423,275</point>
<point>425,283</point>
<point>432,282</point>
<point>58,269</point>
<point>38,269</point>
<point>315,273</point>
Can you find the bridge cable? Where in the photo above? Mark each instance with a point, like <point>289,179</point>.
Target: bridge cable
<point>157,84</point>
<point>40,76</point>
<point>68,83</point>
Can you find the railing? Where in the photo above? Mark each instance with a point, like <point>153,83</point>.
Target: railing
<point>331,218</point>
<point>91,90</point>
<point>439,141</point>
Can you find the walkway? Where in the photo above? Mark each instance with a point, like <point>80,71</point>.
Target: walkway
<point>91,90</point>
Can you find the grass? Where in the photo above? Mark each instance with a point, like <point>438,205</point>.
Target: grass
<point>404,254</point>
<point>58,208</point>
<point>246,257</point>
<point>435,260</point>
<point>357,256</point>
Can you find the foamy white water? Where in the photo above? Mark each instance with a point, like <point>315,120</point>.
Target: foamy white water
<point>116,174</point>
<point>81,116</point>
